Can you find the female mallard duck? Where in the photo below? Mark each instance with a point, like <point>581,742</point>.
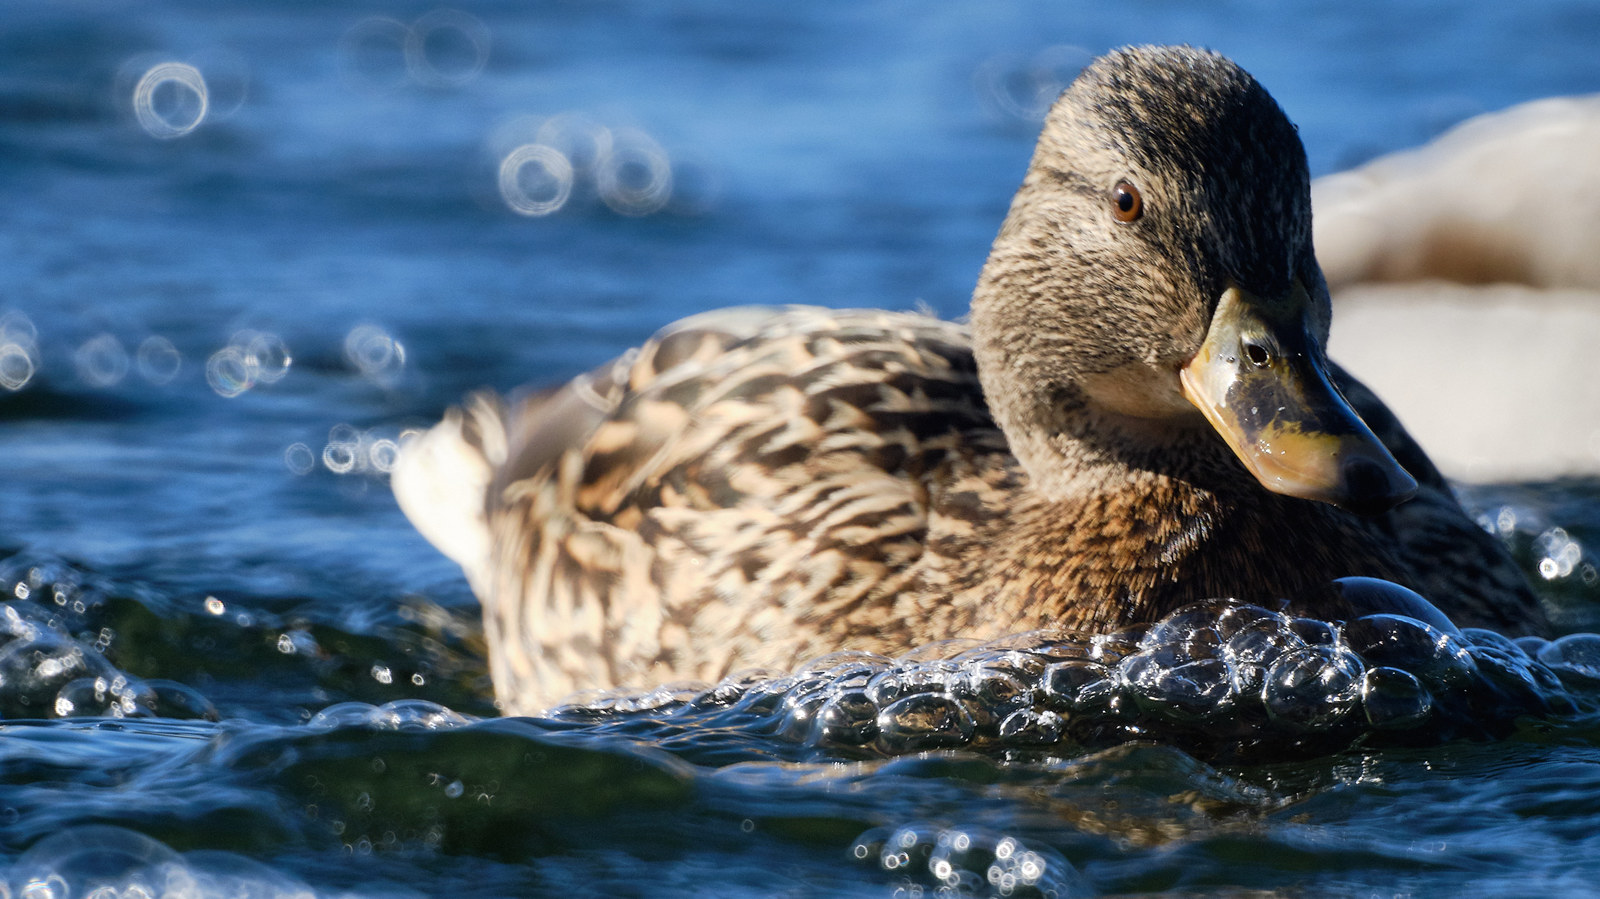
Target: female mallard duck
<point>1140,415</point>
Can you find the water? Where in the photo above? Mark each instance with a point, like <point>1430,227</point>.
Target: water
<point>218,310</point>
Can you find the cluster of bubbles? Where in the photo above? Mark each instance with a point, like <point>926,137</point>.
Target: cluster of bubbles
<point>1021,89</point>
<point>1551,551</point>
<point>98,861</point>
<point>103,361</point>
<point>249,359</point>
<point>545,163</point>
<point>348,451</point>
<point>1561,556</point>
<point>1222,678</point>
<point>950,862</point>
<point>444,48</point>
<point>49,670</point>
<point>397,715</point>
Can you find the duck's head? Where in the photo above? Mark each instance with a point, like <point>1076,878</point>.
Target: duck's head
<point>1155,279</point>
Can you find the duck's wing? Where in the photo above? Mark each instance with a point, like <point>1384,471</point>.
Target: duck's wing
<point>1460,567</point>
<point>750,482</point>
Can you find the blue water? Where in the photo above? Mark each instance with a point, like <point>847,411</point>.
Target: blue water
<point>216,322</point>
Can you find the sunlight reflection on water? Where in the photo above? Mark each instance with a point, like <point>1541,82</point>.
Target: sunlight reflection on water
<point>19,350</point>
<point>543,161</point>
<point>443,48</point>
<point>170,100</point>
<point>250,358</point>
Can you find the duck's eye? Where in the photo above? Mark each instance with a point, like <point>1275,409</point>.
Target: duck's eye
<point>1126,204</point>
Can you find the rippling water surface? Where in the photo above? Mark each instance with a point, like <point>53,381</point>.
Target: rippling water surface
<point>246,245</point>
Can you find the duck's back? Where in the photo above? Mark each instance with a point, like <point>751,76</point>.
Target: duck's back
<point>749,489</point>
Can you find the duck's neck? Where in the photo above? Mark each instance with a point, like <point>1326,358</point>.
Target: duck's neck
<point>1071,448</point>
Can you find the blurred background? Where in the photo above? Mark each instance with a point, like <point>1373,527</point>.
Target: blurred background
<point>244,245</point>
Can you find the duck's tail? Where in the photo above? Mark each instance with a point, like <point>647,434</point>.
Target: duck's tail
<point>449,479</point>
<point>443,476</point>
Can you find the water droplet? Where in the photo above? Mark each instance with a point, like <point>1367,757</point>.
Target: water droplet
<point>19,350</point>
<point>446,48</point>
<point>635,178</point>
<point>101,361</point>
<point>158,360</point>
<point>373,351</point>
<point>299,458</point>
<point>535,180</point>
<point>228,371</point>
<point>383,453</point>
<point>170,100</point>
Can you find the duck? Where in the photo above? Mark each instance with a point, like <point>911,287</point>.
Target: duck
<point>1138,414</point>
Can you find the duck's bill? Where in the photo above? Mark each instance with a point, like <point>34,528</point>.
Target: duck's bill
<point>1261,381</point>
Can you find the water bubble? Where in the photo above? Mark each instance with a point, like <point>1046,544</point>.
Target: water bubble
<point>1438,658</point>
<point>373,351</point>
<point>535,180</point>
<point>635,178</point>
<point>1032,726</point>
<point>266,354</point>
<point>1394,698</point>
<point>158,360</point>
<point>170,100</point>
<point>848,718</point>
<point>17,365</point>
<point>446,48</point>
<point>382,674</point>
<point>19,350</point>
<point>215,606</point>
<point>340,458</point>
<point>229,372</point>
<point>1313,687</point>
<point>299,458</point>
<point>1179,689</point>
<point>101,361</point>
<point>383,454</point>
<point>923,721</point>
<point>1574,654</point>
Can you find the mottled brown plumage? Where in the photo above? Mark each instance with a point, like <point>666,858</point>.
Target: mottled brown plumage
<point>757,486</point>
